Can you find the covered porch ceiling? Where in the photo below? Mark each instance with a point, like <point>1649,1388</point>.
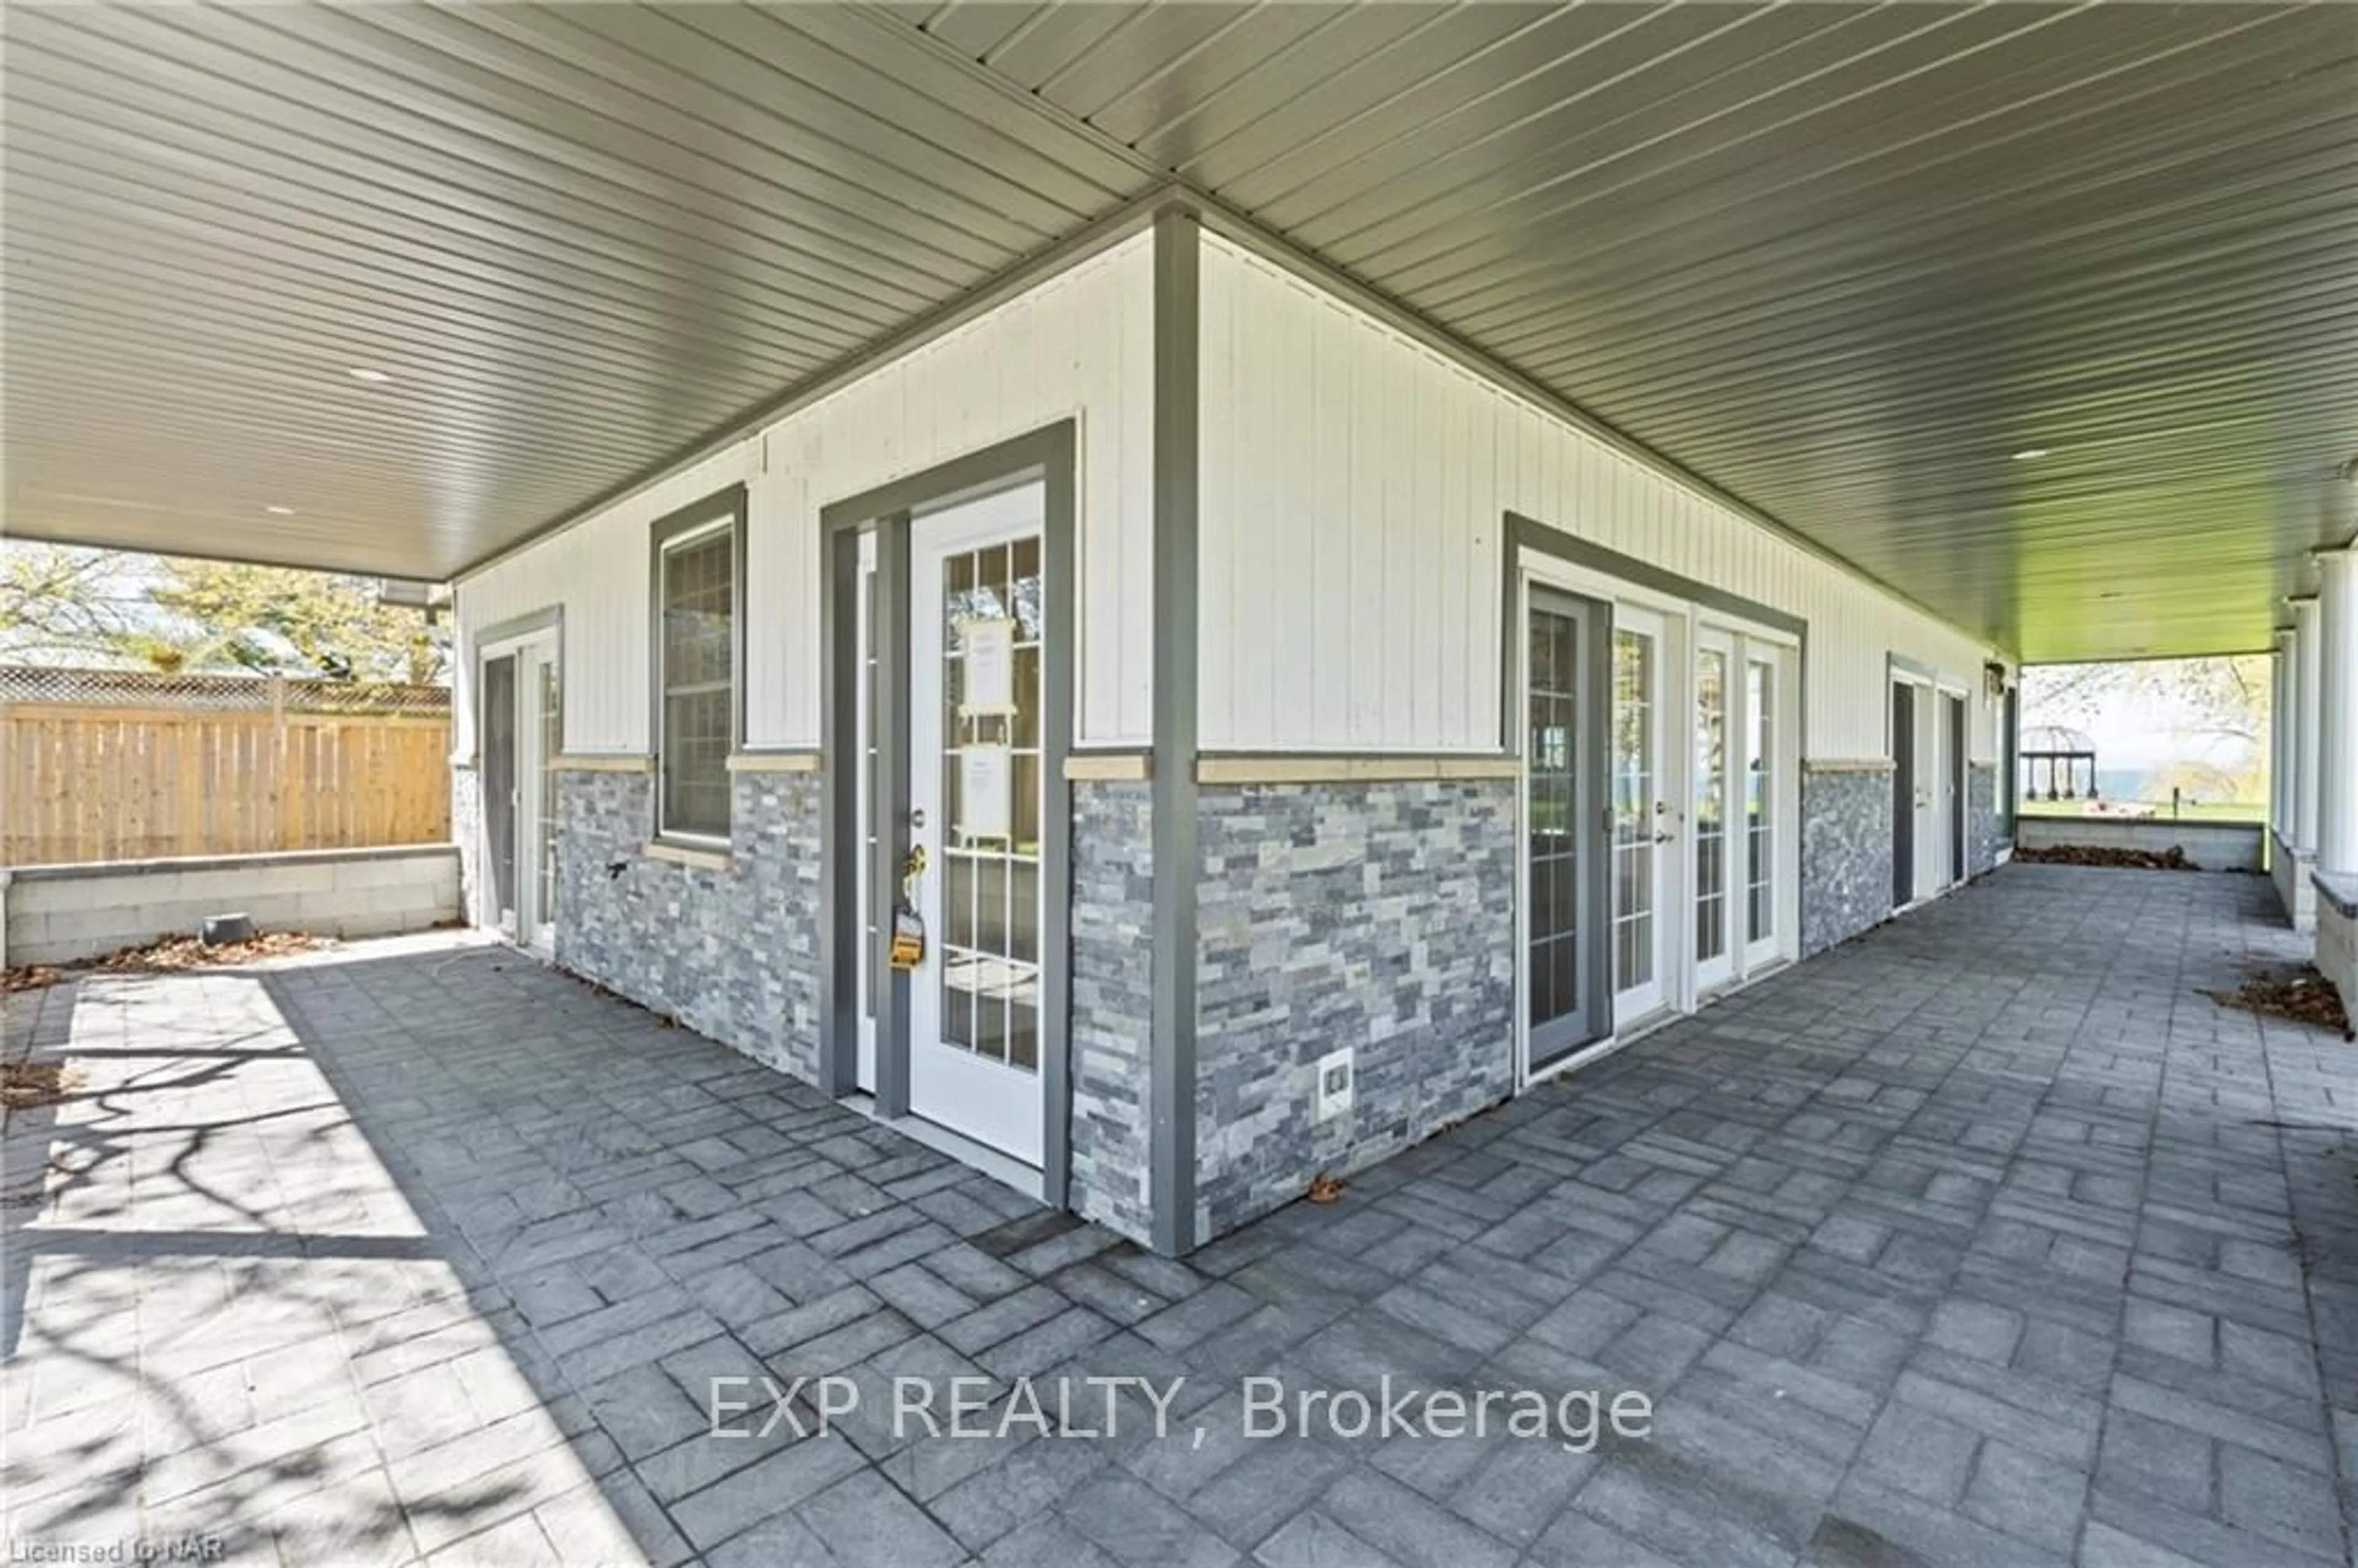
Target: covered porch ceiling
<point>2046,316</point>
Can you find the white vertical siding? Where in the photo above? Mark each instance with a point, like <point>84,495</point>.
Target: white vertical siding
<point>1354,484</point>
<point>1079,345</point>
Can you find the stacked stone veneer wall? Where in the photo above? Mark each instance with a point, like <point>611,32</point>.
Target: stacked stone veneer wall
<point>732,954</point>
<point>1980,817</point>
<point>1845,852</point>
<point>1112,1002</point>
<point>1375,915</point>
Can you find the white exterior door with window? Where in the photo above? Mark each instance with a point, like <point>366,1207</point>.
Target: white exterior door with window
<point>1644,813</point>
<point>977,631</point>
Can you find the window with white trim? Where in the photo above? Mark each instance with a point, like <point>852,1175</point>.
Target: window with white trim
<point>695,679</point>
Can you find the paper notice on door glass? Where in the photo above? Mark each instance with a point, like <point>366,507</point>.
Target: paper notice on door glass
<point>990,647</point>
<point>985,793</point>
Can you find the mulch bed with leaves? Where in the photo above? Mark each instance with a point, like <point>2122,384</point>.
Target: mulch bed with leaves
<point>172,953</point>
<point>2171,860</point>
<point>2299,993</point>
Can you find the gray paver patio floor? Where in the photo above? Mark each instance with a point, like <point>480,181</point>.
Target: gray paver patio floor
<point>1983,1239</point>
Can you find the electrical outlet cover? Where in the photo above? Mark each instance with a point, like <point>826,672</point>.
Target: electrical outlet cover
<point>1337,1078</point>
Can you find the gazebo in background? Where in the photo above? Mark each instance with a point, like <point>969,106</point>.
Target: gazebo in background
<point>2055,761</point>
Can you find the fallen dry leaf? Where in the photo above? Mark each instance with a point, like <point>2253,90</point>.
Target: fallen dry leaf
<point>1326,1189</point>
<point>24,1084</point>
<point>172,953</point>
<point>2301,994</point>
<point>2171,860</point>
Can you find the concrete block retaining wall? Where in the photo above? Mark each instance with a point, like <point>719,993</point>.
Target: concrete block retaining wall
<point>2337,933</point>
<point>56,914</point>
<point>2212,845</point>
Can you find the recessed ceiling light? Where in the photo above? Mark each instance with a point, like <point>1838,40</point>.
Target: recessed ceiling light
<point>280,511</point>
<point>365,372</point>
<point>2024,456</point>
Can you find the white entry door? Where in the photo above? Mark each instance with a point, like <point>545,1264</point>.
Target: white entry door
<point>1715,819</point>
<point>1645,817</point>
<point>977,629</point>
<point>522,702</point>
<point>539,729</point>
<point>1765,818</point>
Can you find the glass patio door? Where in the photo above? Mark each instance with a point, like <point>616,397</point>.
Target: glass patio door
<point>1718,934</point>
<point>1765,807</point>
<point>541,724</point>
<point>1563,1001</point>
<point>1644,831</point>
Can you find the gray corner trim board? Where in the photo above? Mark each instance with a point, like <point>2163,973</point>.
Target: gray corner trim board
<point>1050,456</point>
<point>1171,1073</point>
<point>727,506</point>
<point>1529,534</point>
<point>1130,218</point>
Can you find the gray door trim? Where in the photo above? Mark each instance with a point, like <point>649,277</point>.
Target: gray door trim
<point>1048,455</point>
<point>1592,918</point>
<point>1529,533</point>
<point>1170,1071</point>
<point>549,617</point>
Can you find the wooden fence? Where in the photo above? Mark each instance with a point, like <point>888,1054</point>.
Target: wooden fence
<point>122,765</point>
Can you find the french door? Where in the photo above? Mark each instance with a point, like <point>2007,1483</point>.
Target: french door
<point>977,631</point>
<point>1644,821</point>
<point>1770,803</point>
<point>521,701</point>
<point>1741,802</point>
<point>1717,820</point>
<point>1660,798</point>
<point>1564,983</point>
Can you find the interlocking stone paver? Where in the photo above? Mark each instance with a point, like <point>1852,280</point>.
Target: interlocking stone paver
<point>1984,1237</point>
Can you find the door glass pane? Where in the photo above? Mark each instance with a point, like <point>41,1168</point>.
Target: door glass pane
<point>1711,804</point>
<point>552,717</point>
<point>1549,751</point>
<point>990,950</point>
<point>1759,798</point>
<point>499,724</point>
<point>1633,808</point>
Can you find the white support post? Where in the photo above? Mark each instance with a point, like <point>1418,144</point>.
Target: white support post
<point>2308,706</point>
<point>2337,775</point>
